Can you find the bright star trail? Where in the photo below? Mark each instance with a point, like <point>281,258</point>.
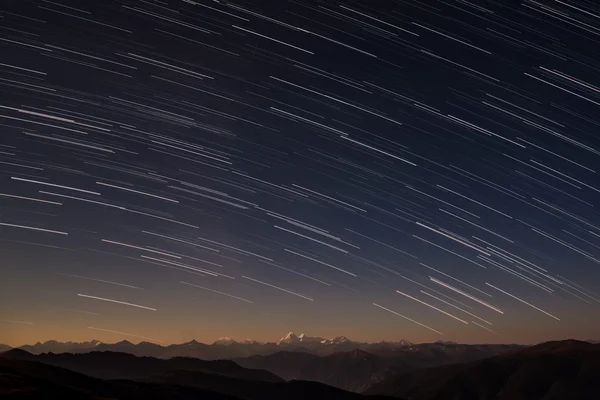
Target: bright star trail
<point>260,167</point>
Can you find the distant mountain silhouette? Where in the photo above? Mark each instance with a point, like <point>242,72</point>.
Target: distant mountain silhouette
<point>228,348</point>
<point>356,370</point>
<point>564,370</point>
<point>561,370</point>
<point>223,348</point>
<point>25,379</point>
<point>337,362</point>
<point>4,347</point>
<point>53,346</point>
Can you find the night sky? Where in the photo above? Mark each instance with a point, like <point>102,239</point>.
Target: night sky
<point>177,170</point>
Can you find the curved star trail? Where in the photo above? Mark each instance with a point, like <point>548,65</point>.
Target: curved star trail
<point>268,153</point>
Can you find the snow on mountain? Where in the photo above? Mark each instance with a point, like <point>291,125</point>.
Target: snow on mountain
<point>309,339</point>
<point>222,348</point>
<point>401,342</point>
<point>288,339</point>
<point>340,340</point>
<point>225,341</point>
<point>291,338</point>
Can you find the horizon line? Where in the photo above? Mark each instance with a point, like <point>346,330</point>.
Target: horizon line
<point>278,342</point>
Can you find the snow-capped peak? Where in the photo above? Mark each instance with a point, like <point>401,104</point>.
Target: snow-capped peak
<point>309,339</point>
<point>225,341</point>
<point>289,338</point>
<point>339,339</point>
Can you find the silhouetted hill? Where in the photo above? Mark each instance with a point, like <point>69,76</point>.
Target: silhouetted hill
<point>559,346</point>
<point>32,380</point>
<point>18,354</point>
<point>111,365</point>
<point>564,370</point>
<point>357,369</point>
<point>21,379</point>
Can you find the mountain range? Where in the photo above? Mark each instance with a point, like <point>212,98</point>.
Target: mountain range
<point>338,362</point>
<point>112,365</point>
<point>566,370</point>
<point>358,369</point>
<point>563,370</point>
<point>109,375</point>
<point>223,348</point>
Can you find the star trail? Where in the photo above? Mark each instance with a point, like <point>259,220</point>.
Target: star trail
<point>255,167</point>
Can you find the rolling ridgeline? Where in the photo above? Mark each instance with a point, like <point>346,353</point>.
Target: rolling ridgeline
<point>297,367</point>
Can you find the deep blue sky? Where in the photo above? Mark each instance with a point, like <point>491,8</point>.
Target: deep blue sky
<point>300,165</point>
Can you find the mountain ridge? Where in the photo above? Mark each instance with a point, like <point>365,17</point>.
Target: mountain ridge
<point>222,348</point>
<point>359,368</point>
<point>557,370</point>
<point>114,375</point>
<point>346,365</point>
<point>222,340</point>
<point>70,346</point>
<point>115,365</point>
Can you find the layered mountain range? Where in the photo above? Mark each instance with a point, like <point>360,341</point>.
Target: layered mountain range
<point>223,348</point>
<point>108,375</point>
<point>358,369</point>
<point>562,370</point>
<point>339,361</point>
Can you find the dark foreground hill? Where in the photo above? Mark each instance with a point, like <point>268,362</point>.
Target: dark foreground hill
<point>565,370</point>
<point>31,380</point>
<point>27,376</point>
